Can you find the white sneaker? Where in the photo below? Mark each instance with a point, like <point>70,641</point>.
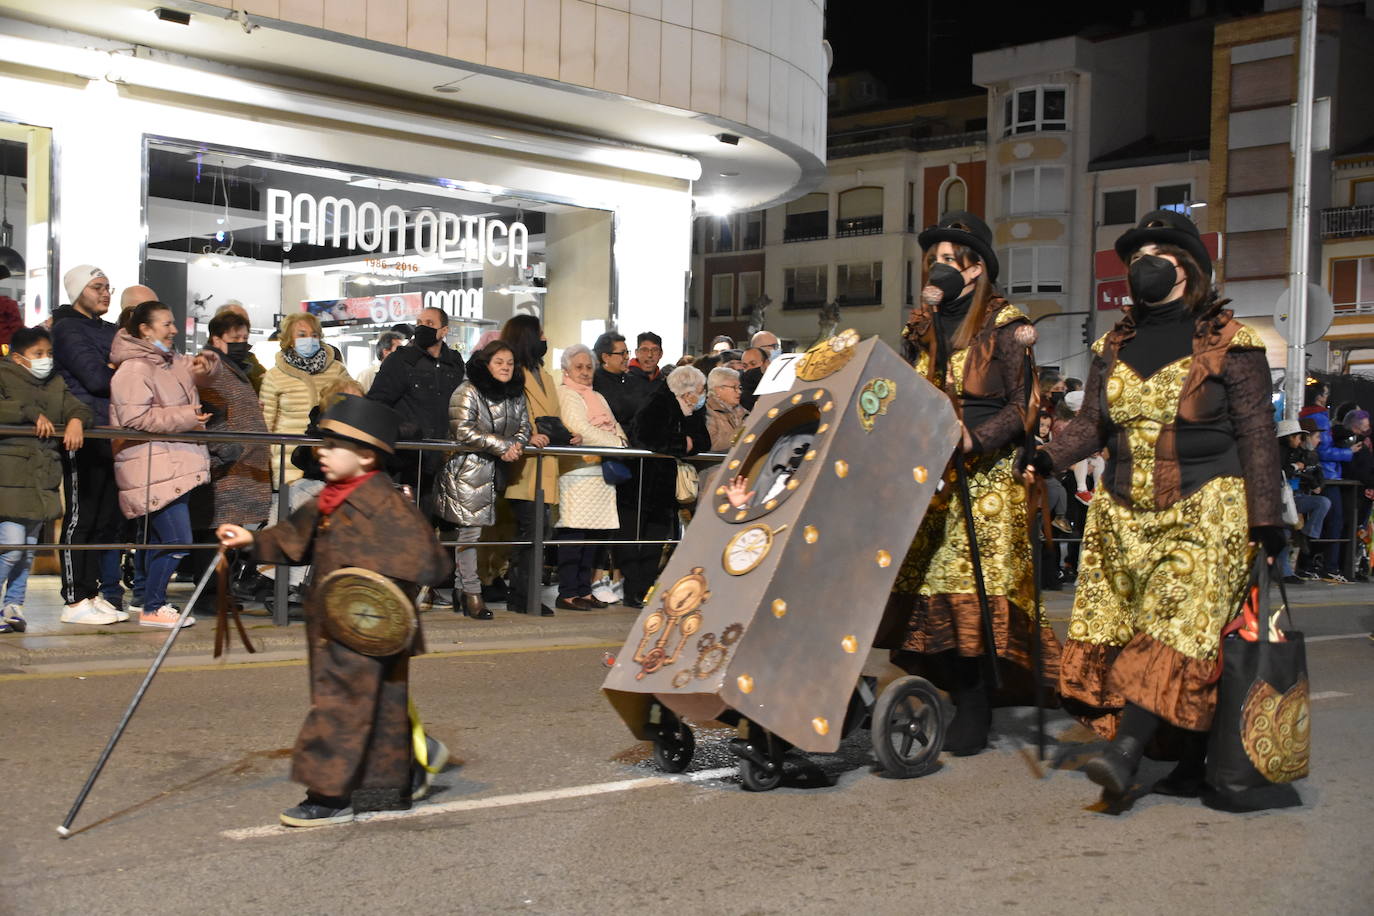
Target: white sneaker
<point>165,617</point>
<point>120,614</point>
<point>85,611</point>
<point>13,616</point>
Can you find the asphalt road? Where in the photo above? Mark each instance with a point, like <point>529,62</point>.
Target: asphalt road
<point>556,809</point>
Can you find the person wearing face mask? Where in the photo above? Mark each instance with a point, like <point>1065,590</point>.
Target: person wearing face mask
<point>250,364</point>
<point>417,381</point>
<point>241,478</point>
<point>1179,394</point>
<point>292,387</point>
<point>154,390</point>
<point>673,422</point>
<point>525,337</point>
<point>973,344</point>
<point>30,470</point>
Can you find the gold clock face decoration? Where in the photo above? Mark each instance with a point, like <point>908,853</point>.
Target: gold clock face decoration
<point>828,356</point>
<point>746,550</point>
<point>667,630</point>
<point>873,400</point>
<point>366,611</point>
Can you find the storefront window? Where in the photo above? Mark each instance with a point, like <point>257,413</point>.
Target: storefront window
<point>364,250</point>
<point>25,234</point>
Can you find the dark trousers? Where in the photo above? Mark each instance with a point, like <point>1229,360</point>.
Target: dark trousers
<point>520,559</point>
<point>92,517</point>
<point>640,563</point>
<point>1334,527</point>
<point>576,562</point>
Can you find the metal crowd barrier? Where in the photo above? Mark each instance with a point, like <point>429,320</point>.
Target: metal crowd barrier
<point>280,609</point>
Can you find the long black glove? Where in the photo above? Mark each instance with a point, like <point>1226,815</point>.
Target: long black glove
<point>1272,538</point>
<point>1036,459</point>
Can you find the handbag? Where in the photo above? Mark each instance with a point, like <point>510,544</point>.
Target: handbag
<point>1261,737</point>
<point>1289,512</point>
<point>615,472</point>
<point>553,427</point>
<point>688,483</point>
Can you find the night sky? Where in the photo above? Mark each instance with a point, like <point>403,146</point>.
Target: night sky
<point>891,37</point>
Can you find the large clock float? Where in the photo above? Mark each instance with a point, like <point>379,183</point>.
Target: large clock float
<point>764,615</point>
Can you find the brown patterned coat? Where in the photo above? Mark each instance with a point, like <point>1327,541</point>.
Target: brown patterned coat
<point>356,738</point>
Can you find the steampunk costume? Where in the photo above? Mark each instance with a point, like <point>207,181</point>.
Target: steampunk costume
<point>356,741</point>
<point>1180,397</point>
<point>936,595</point>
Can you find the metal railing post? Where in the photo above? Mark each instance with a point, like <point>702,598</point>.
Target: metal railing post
<point>281,585</point>
<point>535,599</point>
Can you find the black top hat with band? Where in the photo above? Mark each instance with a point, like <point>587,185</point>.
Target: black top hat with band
<point>963,228</point>
<point>1165,227</point>
<point>356,419</point>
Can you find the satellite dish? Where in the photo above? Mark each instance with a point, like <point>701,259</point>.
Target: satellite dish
<point>1320,311</point>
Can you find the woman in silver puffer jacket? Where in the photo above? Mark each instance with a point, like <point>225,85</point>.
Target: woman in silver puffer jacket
<point>487,414</point>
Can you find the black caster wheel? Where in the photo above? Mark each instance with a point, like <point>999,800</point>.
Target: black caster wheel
<point>908,727</point>
<point>674,745</point>
<point>757,778</point>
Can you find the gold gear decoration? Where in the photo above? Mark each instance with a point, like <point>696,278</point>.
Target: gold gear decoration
<point>828,356</point>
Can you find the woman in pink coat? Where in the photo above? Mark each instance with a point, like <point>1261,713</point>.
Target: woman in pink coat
<point>154,391</point>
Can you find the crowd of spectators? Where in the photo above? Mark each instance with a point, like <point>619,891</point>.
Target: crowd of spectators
<point>89,371</point>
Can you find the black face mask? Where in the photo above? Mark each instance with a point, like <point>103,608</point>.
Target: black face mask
<point>1152,278</point>
<point>238,351</point>
<point>948,280</point>
<point>424,337</point>
<point>540,349</point>
<point>1056,397</point>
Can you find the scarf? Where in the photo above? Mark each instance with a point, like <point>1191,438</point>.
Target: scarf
<point>597,413</point>
<point>334,494</point>
<point>314,365</point>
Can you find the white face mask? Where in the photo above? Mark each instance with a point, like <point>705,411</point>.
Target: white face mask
<point>40,368</point>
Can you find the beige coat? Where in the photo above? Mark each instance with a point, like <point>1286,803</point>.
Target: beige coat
<point>585,500</point>
<point>723,421</point>
<point>542,402</point>
<point>287,396</point>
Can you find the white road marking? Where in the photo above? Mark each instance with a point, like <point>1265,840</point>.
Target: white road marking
<point>499,801</point>
<point>1340,636</point>
<point>1327,695</point>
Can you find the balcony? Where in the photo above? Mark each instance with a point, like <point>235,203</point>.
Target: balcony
<point>858,225</point>
<point>1348,222</point>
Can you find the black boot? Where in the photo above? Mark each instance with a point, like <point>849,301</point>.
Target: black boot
<point>968,733</point>
<point>1115,769</point>
<point>1188,777</point>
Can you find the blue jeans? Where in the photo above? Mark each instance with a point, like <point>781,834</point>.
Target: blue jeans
<point>153,569</point>
<point>1313,509</point>
<point>14,564</point>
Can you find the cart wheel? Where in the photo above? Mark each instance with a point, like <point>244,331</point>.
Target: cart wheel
<point>908,727</point>
<point>759,779</point>
<point>674,745</point>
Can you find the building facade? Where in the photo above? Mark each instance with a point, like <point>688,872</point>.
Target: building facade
<point>362,160</point>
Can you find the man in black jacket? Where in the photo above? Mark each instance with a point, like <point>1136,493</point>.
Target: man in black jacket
<point>81,338</point>
<point>417,381</point>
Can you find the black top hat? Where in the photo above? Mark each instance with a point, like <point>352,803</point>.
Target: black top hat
<point>1165,227</point>
<point>963,228</point>
<point>356,419</point>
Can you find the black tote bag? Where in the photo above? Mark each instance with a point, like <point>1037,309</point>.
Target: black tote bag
<point>1260,741</point>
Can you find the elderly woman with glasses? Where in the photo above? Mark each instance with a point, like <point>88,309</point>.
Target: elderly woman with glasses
<point>724,415</point>
<point>586,503</point>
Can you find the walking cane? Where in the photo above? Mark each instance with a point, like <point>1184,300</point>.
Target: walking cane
<point>64,831</point>
<point>975,558</point>
<point>1035,508</point>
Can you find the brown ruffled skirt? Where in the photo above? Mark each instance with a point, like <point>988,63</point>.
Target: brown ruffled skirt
<point>1154,589</point>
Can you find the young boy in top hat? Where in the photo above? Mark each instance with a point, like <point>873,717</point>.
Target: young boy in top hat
<point>354,751</point>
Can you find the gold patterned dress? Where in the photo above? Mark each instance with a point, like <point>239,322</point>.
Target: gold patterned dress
<point>935,595</point>
<point>1164,558</point>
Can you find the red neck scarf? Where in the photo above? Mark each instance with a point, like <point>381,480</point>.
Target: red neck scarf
<point>334,494</point>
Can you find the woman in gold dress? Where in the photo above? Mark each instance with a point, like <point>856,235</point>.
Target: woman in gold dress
<point>972,343</point>
<point>1179,394</point>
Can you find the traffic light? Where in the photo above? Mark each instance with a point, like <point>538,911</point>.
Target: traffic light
<point>1088,331</point>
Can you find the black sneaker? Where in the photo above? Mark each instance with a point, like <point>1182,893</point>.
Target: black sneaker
<point>419,782</point>
<point>317,812</point>
<point>1294,580</point>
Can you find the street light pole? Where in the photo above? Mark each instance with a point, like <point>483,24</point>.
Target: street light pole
<point>1299,225</point>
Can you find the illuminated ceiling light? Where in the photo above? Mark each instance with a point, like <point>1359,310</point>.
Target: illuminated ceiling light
<point>718,205</point>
